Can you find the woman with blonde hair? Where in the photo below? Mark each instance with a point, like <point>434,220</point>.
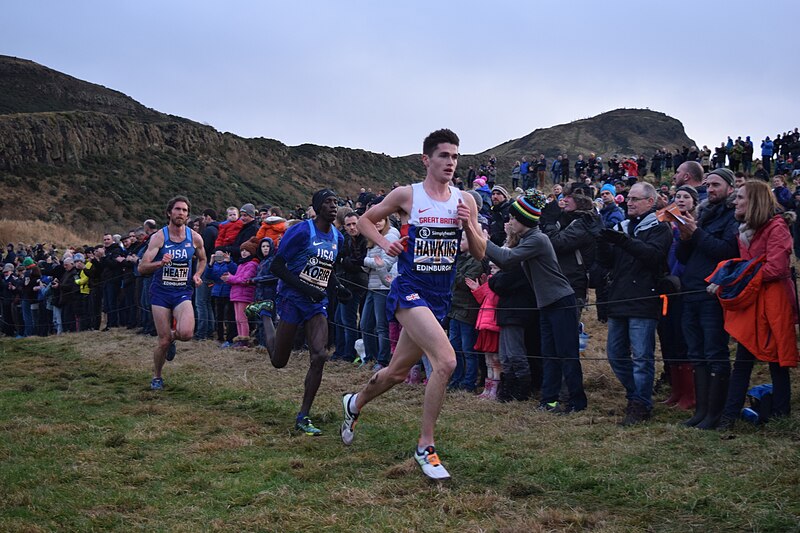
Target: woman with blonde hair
<point>374,324</point>
<point>765,329</point>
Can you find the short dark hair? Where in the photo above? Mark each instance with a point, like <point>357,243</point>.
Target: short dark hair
<point>210,213</point>
<point>438,137</point>
<point>175,200</point>
<point>350,214</point>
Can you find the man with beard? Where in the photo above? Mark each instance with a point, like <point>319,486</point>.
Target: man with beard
<point>498,214</point>
<point>305,269</point>
<point>169,258</point>
<point>704,242</point>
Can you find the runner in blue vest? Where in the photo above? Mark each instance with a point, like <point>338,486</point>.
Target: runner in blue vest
<point>305,267</point>
<point>431,214</point>
<point>169,258</point>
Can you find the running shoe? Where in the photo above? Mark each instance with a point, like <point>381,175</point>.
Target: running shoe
<point>350,418</point>
<point>171,351</point>
<point>431,466</point>
<point>306,426</point>
<point>157,384</point>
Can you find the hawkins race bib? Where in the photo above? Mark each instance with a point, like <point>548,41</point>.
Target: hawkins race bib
<point>435,249</point>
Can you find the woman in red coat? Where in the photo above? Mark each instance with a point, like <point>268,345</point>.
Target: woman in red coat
<point>769,333</point>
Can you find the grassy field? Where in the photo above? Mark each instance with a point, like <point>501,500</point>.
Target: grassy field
<point>85,445</point>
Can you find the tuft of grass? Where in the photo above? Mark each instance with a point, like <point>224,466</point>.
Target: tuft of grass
<point>84,444</point>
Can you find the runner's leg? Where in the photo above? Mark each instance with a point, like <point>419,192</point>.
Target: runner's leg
<point>281,348</point>
<point>162,316</point>
<point>421,333</point>
<point>317,337</point>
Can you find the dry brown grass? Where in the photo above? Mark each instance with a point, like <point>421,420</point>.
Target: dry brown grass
<point>38,231</point>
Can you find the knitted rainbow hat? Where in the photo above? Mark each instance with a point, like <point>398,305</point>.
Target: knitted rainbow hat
<point>528,208</point>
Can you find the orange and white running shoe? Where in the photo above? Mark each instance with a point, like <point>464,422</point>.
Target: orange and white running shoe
<point>431,466</point>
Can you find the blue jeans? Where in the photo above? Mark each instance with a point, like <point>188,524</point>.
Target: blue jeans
<point>110,304</point>
<point>28,318</point>
<point>375,327</point>
<point>631,353</point>
<point>706,338</point>
<point>560,352</point>
<point>346,319</point>
<point>462,338</point>
<point>205,313</point>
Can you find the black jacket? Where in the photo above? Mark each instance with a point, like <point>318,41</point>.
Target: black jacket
<point>574,239</point>
<point>349,268</point>
<point>714,240</point>
<point>514,293</point>
<point>498,216</point>
<point>636,266</point>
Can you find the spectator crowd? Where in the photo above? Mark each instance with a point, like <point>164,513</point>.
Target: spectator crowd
<point>645,246</point>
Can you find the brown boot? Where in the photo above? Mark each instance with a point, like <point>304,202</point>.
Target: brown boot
<point>686,377</point>
<point>675,384</point>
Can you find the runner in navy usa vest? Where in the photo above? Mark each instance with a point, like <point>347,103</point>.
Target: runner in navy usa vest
<point>431,213</point>
<point>305,267</point>
<point>169,258</point>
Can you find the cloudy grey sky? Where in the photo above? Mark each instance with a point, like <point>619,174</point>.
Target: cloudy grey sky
<point>381,75</point>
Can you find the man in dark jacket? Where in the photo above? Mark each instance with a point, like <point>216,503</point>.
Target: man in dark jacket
<point>112,260</point>
<point>498,214</point>
<point>574,238</point>
<point>704,243</point>
<point>250,226</point>
<point>351,273</point>
<point>635,252</point>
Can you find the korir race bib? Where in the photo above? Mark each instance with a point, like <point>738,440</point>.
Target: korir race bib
<point>317,272</point>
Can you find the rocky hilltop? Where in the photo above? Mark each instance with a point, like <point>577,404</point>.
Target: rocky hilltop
<point>82,154</point>
<point>622,131</point>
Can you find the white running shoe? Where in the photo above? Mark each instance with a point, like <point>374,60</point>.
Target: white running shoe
<point>431,465</point>
<point>349,424</point>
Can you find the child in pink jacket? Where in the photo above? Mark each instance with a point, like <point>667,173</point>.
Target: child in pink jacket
<point>488,333</point>
<point>243,291</point>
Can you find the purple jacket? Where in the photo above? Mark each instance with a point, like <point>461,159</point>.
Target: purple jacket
<point>242,290</point>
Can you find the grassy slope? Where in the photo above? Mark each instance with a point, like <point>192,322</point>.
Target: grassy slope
<point>85,445</point>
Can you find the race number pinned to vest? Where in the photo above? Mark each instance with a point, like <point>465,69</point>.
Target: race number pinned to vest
<point>435,249</point>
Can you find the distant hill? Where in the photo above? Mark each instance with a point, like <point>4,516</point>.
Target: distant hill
<point>622,131</point>
<point>79,153</point>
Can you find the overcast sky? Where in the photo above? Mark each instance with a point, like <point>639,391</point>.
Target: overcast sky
<point>380,75</point>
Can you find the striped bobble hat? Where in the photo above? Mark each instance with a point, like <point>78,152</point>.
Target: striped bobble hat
<point>528,208</point>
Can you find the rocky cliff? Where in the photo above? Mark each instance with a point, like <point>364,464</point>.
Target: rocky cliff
<point>83,154</point>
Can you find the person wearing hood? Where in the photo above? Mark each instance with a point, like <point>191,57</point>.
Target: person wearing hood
<point>274,226</point>
<point>479,186</point>
<point>635,253</point>
<point>266,289</point>
<point>242,289</point>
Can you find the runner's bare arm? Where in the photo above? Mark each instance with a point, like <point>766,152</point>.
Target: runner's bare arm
<point>397,201</point>
<point>468,215</point>
<point>200,252</point>
<point>147,265</point>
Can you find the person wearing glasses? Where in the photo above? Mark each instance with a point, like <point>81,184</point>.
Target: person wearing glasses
<point>635,252</point>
